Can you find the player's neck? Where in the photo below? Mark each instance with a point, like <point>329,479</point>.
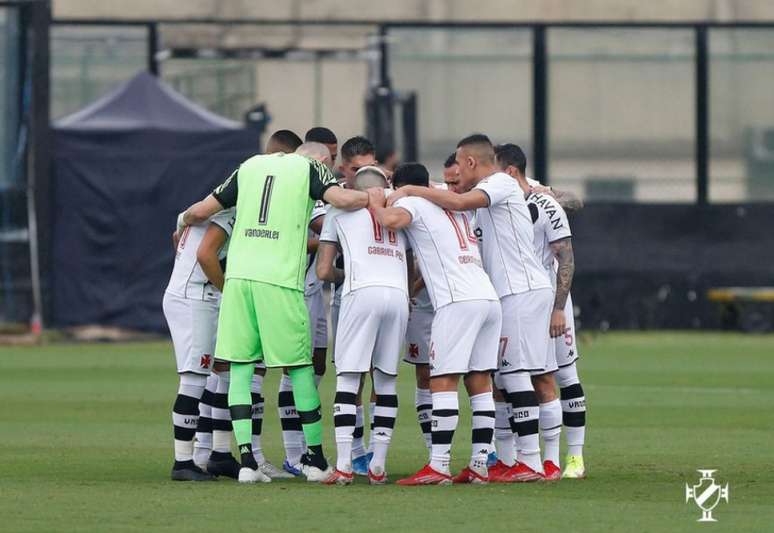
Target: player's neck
<point>484,171</point>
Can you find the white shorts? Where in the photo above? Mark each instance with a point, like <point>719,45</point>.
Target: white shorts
<point>465,337</point>
<point>420,324</point>
<point>318,319</point>
<point>371,330</point>
<point>566,345</point>
<point>525,342</point>
<point>193,325</point>
<point>335,309</point>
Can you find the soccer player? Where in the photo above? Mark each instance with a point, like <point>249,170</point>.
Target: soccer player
<point>420,322</point>
<point>356,152</point>
<point>220,461</point>
<point>372,325</point>
<point>263,315</point>
<point>292,434</point>
<point>322,135</point>
<point>466,326</point>
<point>553,241</point>
<point>522,284</point>
<point>284,141</point>
<point>190,306</point>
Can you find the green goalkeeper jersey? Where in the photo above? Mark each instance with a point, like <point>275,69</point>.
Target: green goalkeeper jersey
<point>274,195</point>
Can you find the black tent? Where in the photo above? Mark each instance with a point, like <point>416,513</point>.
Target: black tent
<point>124,167</point>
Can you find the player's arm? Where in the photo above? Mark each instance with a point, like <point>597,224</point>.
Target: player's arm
<point>570,202</point>
<point>207,255</point>
<point>326,259</point>
<point>223,197</point>
<point>446,199</point>
<point>345,199</point>
<point>562,250</point>
<point>393,218</point>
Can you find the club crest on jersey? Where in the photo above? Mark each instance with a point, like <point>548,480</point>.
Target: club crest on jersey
<point>707,494</point>
<point>205,361</point>
<point>413,350</point>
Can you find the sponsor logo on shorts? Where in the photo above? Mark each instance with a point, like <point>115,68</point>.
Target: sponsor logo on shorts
<point>205,361</point>
<point>413,350</point>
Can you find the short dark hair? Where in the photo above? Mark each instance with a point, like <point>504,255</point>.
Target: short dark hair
<point>450,161</point>
<point>383,153</point>
<point>319,134</point>
<point>510,154</point>
<point>358,145</point>
<point>410,174</point>
<point>476,138</point>
<point>287,139</point>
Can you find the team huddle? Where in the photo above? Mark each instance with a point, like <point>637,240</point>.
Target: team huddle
<point>470,279</point>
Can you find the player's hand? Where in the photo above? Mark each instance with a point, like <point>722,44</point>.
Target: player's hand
<point>397,195</point>
<point>375,197</point>
<point>556,329</point>
<point>175,239</point>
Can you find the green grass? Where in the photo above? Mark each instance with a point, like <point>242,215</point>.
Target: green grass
<point>86,446</point>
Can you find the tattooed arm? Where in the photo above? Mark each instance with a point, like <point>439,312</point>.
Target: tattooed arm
<point>563,252</point>
<point>569,201</point>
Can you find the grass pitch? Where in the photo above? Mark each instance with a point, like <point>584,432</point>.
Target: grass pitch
<point>86,446</point>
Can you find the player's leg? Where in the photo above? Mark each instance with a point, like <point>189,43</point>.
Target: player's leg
<point>449,359</point>
<point>550,423</point>
<point>256,389</point>
<point>574,418</point>
<point>344,408</point>
<point>418,331</point>
<point>389,342</point>
<point>221,462</point>
<point>423,401</point>
<point>283,321</point>
<point>504,438</point>
<point>572,396</point>
<point>359,452</point>
<point>192,379</point>
<point>478,382</point>
<point>239,342</point>
<point>203,444</point>
<point>292,434</point>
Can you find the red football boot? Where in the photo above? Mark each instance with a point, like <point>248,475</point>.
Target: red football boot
<point>427,476</point>
<point>497,471</point>
<point>337,477</point>
<point>520,473</point>
<point>551,472</point>
<point>469,475</point>
<point>377,479</point>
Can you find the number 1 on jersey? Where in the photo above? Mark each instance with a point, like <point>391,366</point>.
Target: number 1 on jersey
<point>263,213</point>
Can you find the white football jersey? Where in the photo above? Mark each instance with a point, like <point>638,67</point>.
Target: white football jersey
<point>447,252</point>
<point>188,279</point>
<point>311,284</point>
<point>373,255</point>
<point>508,239</point>
<point>533,182</point>
<point>550,224</point>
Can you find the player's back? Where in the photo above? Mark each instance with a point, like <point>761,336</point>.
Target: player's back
<point>373,255</point>
<point>550,225</point>
<point>273,210</point>
<point>447,252</point>
<point>188,279</point>
<point>507,236</point>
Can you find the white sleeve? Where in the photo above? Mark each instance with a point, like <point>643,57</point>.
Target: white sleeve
<point>409,203</point>
<point>329,232</point>
<point>496,188</point>
<point>557,226</point>
<point>225,220</point>
<point>318,210</point>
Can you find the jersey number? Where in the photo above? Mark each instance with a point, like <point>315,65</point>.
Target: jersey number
<point>463,236</point>
<point>263,213</point>
<point>392,237</point>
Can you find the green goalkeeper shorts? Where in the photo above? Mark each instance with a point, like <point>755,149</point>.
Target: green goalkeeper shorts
<point>260,321</point>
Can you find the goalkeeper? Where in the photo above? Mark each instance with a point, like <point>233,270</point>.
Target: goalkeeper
<point>263,315</point>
